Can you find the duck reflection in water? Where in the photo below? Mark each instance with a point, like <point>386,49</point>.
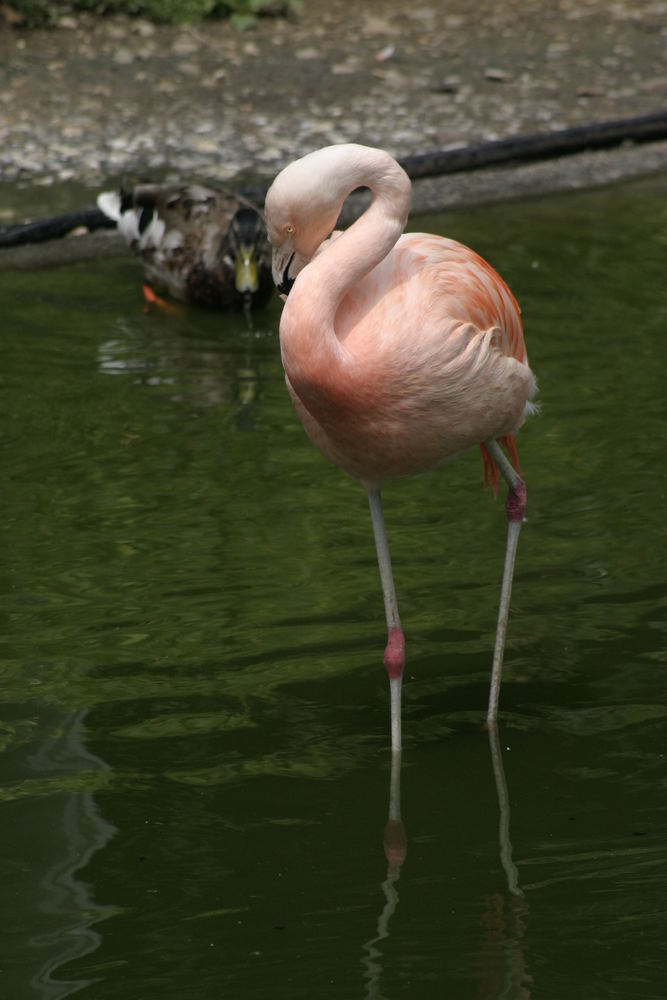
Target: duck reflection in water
<point>503,973</point>
<point>215,368</point>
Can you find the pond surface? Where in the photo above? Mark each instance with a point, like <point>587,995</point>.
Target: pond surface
<point>195,765</point>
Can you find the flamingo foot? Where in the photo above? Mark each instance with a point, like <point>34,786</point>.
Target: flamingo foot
<point>394,654</point>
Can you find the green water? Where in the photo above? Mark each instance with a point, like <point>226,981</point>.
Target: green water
<point>195,761</point>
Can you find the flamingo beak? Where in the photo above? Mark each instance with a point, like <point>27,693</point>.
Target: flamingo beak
<point>286,281</point>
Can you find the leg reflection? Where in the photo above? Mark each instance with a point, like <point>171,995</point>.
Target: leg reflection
<point>504,808</point>
<point>395,848</point>
<point>502,959</point>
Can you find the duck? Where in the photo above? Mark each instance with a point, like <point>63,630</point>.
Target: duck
<point>200,244</point>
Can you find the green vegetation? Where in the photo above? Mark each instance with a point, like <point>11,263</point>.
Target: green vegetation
<point>40,13</point>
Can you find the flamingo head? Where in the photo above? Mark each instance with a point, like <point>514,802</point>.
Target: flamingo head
<point>301,209</point>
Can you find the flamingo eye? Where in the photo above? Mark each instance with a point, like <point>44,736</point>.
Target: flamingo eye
<point>290,229</point>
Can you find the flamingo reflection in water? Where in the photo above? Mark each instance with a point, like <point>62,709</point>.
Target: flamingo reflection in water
<point>503,973</point>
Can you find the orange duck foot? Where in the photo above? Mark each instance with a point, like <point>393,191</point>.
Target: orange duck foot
<point>151,299</point>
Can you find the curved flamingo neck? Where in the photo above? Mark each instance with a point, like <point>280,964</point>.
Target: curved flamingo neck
<point>311,351</point>
<point>353,254</point>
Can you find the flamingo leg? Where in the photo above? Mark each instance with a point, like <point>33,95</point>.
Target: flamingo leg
<point>516,509</point>
<point>394,654</point>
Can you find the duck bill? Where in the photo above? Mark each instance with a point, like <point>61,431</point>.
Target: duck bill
<point>247,279</point>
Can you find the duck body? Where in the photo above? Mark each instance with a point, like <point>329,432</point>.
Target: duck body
<point>199,244</point>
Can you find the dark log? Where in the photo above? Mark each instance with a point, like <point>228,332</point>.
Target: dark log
<point>518,149</point>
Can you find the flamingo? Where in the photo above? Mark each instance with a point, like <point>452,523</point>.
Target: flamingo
<point>400,351</point>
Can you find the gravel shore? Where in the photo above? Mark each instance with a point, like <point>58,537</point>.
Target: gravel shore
<point>98,99</point>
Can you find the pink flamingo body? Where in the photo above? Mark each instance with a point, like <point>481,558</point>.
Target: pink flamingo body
<point>400,351</point>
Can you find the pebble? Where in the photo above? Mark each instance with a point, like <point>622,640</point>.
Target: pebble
<point>496,75</point>
<point>123,57</point>
<point>184,45</point>
<point>143,28</point>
